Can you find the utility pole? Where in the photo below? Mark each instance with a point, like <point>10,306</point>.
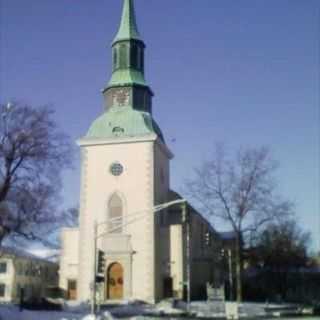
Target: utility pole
<point>93,300</point>
<point>186,222</point>
<point>230,274</point>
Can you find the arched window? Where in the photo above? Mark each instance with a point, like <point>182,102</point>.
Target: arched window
<point>115,214</point>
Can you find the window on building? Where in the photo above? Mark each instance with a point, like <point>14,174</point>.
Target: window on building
<point>208,238</point>
<point>123,63</point>
<point>134,56</point>
<point>41,271</point>
<point>2,290</point>
<point>72,289</point>
<point>202,237</point>
<point>27,270</point>
<point>115,214</point>
<point>115,58</point>
<point>141,60</point>
<point>3,267</point>
<point>34,270</point>
<point>117,130</point>
<point>19,269</point>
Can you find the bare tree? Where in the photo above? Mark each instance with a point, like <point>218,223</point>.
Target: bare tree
<point>71,217</point>
<point>279,252</point>
<point>281,246</point>
<point>241,192</point>
<point>33,153</point>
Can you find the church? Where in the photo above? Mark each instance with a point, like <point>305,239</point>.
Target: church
<point>153,243</point>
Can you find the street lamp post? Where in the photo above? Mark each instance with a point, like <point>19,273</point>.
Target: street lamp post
<point>230,274</point>
<point>136,216</point>
<point>227,259</point>
<point>186,221</point>
<point>95,233</point>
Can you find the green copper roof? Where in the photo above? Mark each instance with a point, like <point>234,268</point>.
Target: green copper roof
<point>124,122</point>
<point>127,77</point>
<point>128,26</point>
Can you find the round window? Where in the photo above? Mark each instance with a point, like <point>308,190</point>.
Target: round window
<point>116,169</point>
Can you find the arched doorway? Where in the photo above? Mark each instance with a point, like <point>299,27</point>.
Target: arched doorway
<point>114,285</point>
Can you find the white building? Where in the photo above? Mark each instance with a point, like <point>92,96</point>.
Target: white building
<point>22,271</point>
<point>125,172</point>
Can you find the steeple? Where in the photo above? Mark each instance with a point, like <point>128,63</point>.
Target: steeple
<point>128,26</point>
<point>127,86</point>
<point>128,98</point>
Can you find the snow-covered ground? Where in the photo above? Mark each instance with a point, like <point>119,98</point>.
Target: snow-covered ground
<point>13,313</point>
<point>134,311</point>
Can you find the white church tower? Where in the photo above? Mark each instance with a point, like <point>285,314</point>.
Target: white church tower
<point>124,174</point>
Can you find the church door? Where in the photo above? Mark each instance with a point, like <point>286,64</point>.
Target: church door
<point>72,289</point>
<point>115,282</point>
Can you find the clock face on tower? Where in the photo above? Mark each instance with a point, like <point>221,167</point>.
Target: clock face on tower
<point>121,97</point>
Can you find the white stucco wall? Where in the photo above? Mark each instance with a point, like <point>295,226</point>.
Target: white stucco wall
<point>33,275</point>
<point>136,187</point>
<point>7,279</point>
<point>69,257</point>
<point>177,259</point>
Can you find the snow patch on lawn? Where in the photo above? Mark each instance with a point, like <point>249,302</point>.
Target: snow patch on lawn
<point>13,313</point>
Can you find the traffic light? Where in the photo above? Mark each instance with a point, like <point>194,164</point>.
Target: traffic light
<point>101,262</point>
<point>100,279</point>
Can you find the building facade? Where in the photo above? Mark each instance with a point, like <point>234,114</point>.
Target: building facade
<point>23,272</point>
<point>125,173</point>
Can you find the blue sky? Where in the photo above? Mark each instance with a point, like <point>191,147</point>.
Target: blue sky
<point>245,73</point>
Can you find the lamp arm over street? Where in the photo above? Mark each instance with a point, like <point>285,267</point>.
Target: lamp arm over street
<point>156,208</point>
<point>138,217</point>
<point>121,226</point>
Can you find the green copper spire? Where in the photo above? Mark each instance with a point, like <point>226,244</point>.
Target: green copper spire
<point>128,26</point>
<point>128,51</point>
<point>128,98</point>
<point>127,86</point>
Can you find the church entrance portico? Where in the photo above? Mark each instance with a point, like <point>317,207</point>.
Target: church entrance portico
<point>114,282</point>
<point>118,266</point>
